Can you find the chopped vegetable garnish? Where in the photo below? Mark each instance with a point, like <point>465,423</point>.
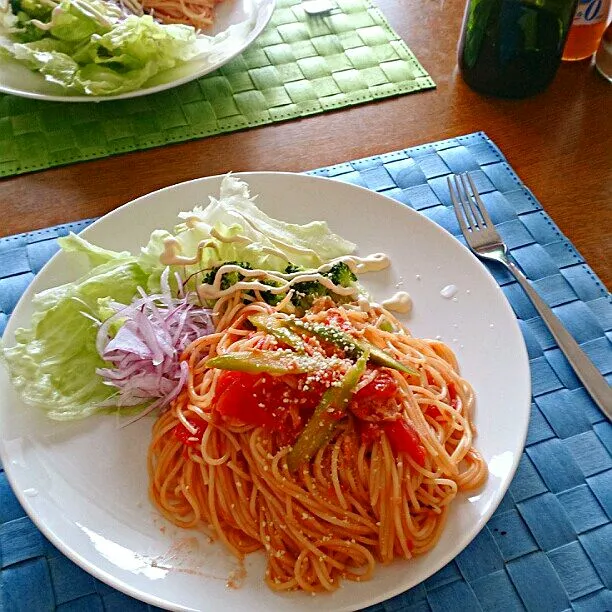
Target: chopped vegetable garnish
<point>270,362</point>
<point>275,327</point>
<point>320,427</point>
<point>352,347</point>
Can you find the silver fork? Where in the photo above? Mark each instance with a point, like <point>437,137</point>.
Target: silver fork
<point>483,239</point>
<point>318,8</point>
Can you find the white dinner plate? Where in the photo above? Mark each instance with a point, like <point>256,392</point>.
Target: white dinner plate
<point>84,483</point>
<point>242,20</point>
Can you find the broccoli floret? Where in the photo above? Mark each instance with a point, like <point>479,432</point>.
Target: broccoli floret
<point>340,274</point>
<point>304,294</point>
<point>25,11</point>
<point>271,298</point>
<point>33,9</point>
<point>229,278</point>
<point>292,268</point>
<point>28,32</point>
<point>307,292</point>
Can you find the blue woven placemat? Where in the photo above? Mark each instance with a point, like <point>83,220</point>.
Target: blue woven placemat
<point>548,546</point>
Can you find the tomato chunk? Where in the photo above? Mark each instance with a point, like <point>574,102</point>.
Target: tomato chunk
<point>264,400</point>
<point>405,439</point>
<point>185,436</point>
<point>382,386</point>
<point>241,397</point>
<point>376,402</point>
<point>368,432</point>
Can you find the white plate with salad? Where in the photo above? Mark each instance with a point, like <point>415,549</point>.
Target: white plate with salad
<point>97,50</point>
<point>84,481</point>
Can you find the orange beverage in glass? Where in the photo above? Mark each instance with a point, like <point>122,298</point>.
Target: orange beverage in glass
<point>587,28</point>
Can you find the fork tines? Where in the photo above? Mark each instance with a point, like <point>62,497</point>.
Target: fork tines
<point>469,207</point>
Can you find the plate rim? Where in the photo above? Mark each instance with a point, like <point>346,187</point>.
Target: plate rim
<point>265,10</point>
<point>118,583</point>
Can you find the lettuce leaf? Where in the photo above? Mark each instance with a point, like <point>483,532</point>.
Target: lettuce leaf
<point>309,245</point>
<point>235,212</point>
<point>89,46</point>
<point>53,363</point>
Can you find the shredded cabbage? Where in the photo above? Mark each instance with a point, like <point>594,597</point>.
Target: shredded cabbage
<point>234,212</point>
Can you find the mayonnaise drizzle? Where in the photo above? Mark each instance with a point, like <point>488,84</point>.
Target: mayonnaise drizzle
<point>358,265</point>
<point>370,263</point>
<point>172,247</point>
<point>364,304</point>
<point>399,302</point>
<point>193,220</point>
<point>238,238</point>
<point>286,281</point>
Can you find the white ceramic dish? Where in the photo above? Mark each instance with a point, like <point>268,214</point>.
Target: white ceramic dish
<point>246,18</point>
<point>85,483</point>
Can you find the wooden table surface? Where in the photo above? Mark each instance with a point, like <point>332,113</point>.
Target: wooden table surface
<point>560,143</point>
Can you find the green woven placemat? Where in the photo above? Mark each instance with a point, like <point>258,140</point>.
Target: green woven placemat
<point>299,66</point>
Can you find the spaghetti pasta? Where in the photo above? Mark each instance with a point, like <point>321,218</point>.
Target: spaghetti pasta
<point>377,489</point>
<point>197,13</point>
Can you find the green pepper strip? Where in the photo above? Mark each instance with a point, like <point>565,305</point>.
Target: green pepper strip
<point>386,326</point>
<point>269,362</point>
<point>275,327</point>
<point>320,427</point>
<point>351,346</point>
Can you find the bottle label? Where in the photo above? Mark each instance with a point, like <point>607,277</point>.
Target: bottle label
<point>591,11</point>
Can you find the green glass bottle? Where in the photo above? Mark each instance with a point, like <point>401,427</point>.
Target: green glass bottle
<point>512,48</point>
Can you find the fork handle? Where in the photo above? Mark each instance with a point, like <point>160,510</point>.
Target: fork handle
<point>589,375</point>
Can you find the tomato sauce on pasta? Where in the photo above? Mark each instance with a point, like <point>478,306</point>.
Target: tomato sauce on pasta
<point>379,488</point>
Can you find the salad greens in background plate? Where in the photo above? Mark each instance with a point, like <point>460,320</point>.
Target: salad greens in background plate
<point>84,482</point>
<point>87,50</point>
